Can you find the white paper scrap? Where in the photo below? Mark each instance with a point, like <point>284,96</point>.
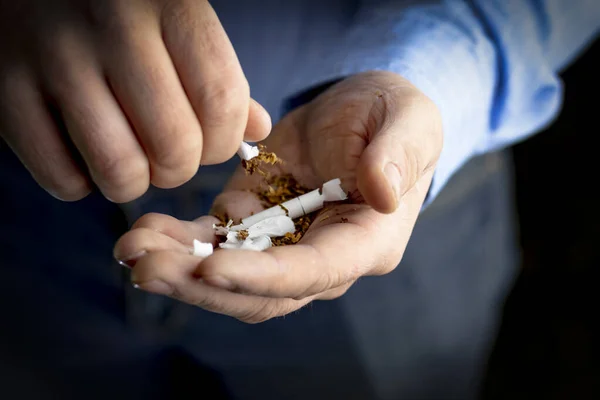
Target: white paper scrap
<point>202,249</point>
<point>247,151</point>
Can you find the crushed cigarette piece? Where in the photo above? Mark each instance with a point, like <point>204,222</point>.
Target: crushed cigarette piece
<point>258,243</point>
<point>240,237</point>
<point>303,204</point>
<point>202,249</point>
<point>281,188</point>
<point>290,207</point>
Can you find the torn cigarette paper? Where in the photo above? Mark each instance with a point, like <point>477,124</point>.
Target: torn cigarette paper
<point>255,232</point>
<point>202,249</point>
<point>247,152</point>
<point>258,236</point>
<point>302,205</point>
<point>258,243</point>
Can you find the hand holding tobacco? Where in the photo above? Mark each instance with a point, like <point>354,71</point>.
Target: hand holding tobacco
<point>375,132</point>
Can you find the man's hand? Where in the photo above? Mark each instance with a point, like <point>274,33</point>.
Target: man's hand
<point>377,133</point>
<point>120,93</point>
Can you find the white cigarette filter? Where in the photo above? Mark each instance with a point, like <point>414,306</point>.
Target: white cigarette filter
<point>202,249</point>
<point>301,205</point>
<point>247,152</point>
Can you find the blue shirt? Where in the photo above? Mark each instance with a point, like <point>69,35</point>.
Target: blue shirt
<point>491,66</point>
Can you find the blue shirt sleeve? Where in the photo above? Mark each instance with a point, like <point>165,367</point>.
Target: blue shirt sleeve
<point>491,66</point>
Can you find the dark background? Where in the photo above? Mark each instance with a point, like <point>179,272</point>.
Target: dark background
<point>548,342</point>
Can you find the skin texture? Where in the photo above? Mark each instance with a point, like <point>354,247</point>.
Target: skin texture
<point>357,130</point>
<point>120,94</point>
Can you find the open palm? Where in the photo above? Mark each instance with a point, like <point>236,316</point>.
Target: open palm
<point>375,132</point>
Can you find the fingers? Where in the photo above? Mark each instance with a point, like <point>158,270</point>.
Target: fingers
<point>343,244</point>
<point>259,123</point>
<point>212,77</point>
<point>406,144</point>
<point>31,132</point>
<point>171,274</point>
<point>331,254</point>
<point>156,232</point>
<point>96,124</point>
<point>183,231</point>
<point>138,242</point>
<point>146,84</point>
<point>137,111</point>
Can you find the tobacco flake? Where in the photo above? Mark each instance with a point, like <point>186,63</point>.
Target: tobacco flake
<point>264,157</point>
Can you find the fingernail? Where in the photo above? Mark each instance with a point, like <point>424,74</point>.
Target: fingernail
<point>129,262</point>
<point>218,281</point>
<point>155,286</point>
<point>55,195</point>
<point>392,174</point>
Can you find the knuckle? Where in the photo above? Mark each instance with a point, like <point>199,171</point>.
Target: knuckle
<point>107,15</point>
<point>120,171</point>
<point>412,163</point>
<point>224,117</point>
<point>193,21</point>
<point>178,14</point>
<point>177,156</point>
<point>181,156</point>
<point>226,104</point>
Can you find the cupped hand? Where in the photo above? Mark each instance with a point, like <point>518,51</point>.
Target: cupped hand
<point>377,133</point>
<point>120,94</point>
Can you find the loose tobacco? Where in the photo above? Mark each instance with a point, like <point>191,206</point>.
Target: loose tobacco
<point>281,188</point>
<point>264,157</point>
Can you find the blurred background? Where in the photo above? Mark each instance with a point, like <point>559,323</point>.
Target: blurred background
<point>548,345</point>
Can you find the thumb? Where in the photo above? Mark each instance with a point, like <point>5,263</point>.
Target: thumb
<point>403,148</point>
<point>259,123</point>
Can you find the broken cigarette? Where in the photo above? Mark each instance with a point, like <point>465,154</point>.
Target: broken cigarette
<point>301,205</point>
<point>247,152</point>
<point>202,249</point>
<point>255,232</point>
<point>257,236</point>
<point>258,243</point>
